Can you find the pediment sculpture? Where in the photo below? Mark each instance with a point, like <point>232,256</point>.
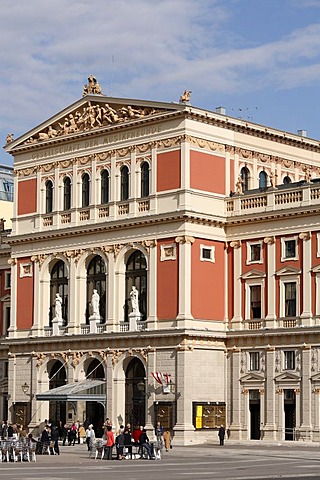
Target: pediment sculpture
<point>88,117</point>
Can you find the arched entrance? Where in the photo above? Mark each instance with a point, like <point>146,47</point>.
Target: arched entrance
<point>136,274</point>
<point>95,410</point>
<point>135,393</point>
<point>57,378</point>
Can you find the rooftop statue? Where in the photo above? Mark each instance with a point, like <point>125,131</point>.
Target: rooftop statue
<point>92,86</point>
<point>185,97</point>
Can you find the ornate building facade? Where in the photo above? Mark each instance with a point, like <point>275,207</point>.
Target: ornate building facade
<point>215,221</point>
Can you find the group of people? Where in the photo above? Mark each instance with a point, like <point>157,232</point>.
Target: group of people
<point>12,431</point>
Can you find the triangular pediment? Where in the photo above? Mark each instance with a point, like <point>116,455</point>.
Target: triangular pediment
<point>315,378</point>
<point>252,377</point>
<point>316,269</point>
<point>5,298</point>
<point>288,271</point>
<point>89,114</point>
<point>287,377</point>
<point>254,273</point>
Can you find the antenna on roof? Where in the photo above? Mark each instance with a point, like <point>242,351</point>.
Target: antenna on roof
<point>111,74</point>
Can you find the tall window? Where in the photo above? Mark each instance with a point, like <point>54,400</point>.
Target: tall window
<point>290,290</point>
<point>67,193</point>
<point>255,301</point>
<point>49,196</point>
<point>59,284</point>
<point>289,360</point>
<point>85,190</point>
<point>96,279</point>
<point>290,248</point>
<point>104,186</point>
<point>254,361</point>
<point>262,180</point>
<point>136,274</point>
<point>145,179</point>
<point>124,183</point>
<point>245,178</point>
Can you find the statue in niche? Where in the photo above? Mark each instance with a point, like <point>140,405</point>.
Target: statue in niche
<point>134,296</point>
<point>58,307</point>
<point>95,303</point>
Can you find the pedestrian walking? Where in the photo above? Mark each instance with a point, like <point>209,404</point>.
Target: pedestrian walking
<point>221,434</point>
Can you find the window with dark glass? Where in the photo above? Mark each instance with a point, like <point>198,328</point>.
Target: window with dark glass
<point>124,183</point>
<point>96,279</point>
<point>289,360</point>
<point>208,415</point>
<point>254,361</point>
<point>85,190</point>
<point>255,301</point>
<point>255,252</point>
<point>263,180</point>
<point>145,179</point>
<point>136,275</point>
<point>59,284</point>
<point>290,248</point>
<point>206,253</point>
<point>67,193</point>
<point>245,178</point>
<point>105,186</point>
<point>286,180</point>
<point>49,196</point>
<point>290,299</point>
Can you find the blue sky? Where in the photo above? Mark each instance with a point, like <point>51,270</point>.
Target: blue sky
<point>260,59</point>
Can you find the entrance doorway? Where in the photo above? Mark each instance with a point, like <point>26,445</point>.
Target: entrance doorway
<point>254,408</point>
<point>289,414</point>
<point>57,378</point>
<point>135,392</point>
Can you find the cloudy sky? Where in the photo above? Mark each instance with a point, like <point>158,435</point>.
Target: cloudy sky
<point>260,59</point>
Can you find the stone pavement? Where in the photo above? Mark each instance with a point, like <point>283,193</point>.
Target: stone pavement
<point>233,461</point>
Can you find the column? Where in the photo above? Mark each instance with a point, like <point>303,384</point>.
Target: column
<point>184,429</point>
<point>306,414</point>
<point>306,315</point>
<point>152,286</point>
<point>73,307</point>
<point>12,330</point>
<point>235,393</point>
<point>153,182</point>
<point>237,286</point>
<point>150,395</point>
<point>74,194</point>
<point>111,296</point>
<point>93,188</point>
<point>36,297</point>
<point>133,193</point>
<point>271,281</point>
<point>185,197</point>
<point>268,430</point>
<point>185,244</point>
<point>109,388</point>
<point>113,187</point>
<point>281,423</point>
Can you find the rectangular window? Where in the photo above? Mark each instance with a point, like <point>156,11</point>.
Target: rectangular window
<point>289,360</point>
<point>290,299</point>
<point>254,361</point>
<point>255,301</point>
<point>7,280</point>
<point>255,252</point>
<point>208,415</point>
<point>207,253</point>
<point>290,248</point>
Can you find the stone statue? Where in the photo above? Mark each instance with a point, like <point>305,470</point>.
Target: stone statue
<point>95,302</point>
<point>272,178</point>
<point>58,307</point>
<point>239,188</point>
<point>9,138</point>
<point>185,97</point>
<point>307,175</point>
<point>92,86</point>
<point>134,296</point>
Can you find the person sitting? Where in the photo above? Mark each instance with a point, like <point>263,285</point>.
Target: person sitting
<point>145,444</point>
<point>128,442</point>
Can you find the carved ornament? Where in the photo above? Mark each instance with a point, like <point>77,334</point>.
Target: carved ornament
<point>304,236</point>
<point>269,240</point>
<point>39,259</point>
<point>235,244</point>
<point>76,357</point>
<point>40,359</point>
<point>12,261</point>
<point>184,239</point>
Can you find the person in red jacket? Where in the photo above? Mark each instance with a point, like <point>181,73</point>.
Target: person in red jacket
<point>109,442</point>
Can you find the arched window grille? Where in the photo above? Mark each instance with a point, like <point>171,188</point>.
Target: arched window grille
<point>49,196</point>
<point>67,193</point>
<point>145,187</point>
<point>104,186</point>
<point>85,190</point>
<point>124,183</point>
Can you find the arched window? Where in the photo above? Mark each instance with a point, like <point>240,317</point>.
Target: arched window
<point>59,284</point>
<point>124,183</point>
<point>95,370</point>
<point>135,392</point>
<point>96,279</point>
<point>49,196</point>
<point>85,190</point>
<point>105,186</point>
<point>263,178</point>
<point>145,179</point>
<point>245,178</point>
<point>136,274</point>
<point>57,378</point>
<point>67,193</point>
<point>286,180</point>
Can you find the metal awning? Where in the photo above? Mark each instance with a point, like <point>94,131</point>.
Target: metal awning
<point>88,390</point>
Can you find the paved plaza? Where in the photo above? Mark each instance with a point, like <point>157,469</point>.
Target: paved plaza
<point>232,461</point>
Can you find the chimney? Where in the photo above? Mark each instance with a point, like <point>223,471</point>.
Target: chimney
<point>221,110</point>
<point>302,133</point>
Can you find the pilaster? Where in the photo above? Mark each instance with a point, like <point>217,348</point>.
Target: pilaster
<point>185,244</point>
<point>237,269</point>
<point>306,315</point>
<point>271,281</point>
